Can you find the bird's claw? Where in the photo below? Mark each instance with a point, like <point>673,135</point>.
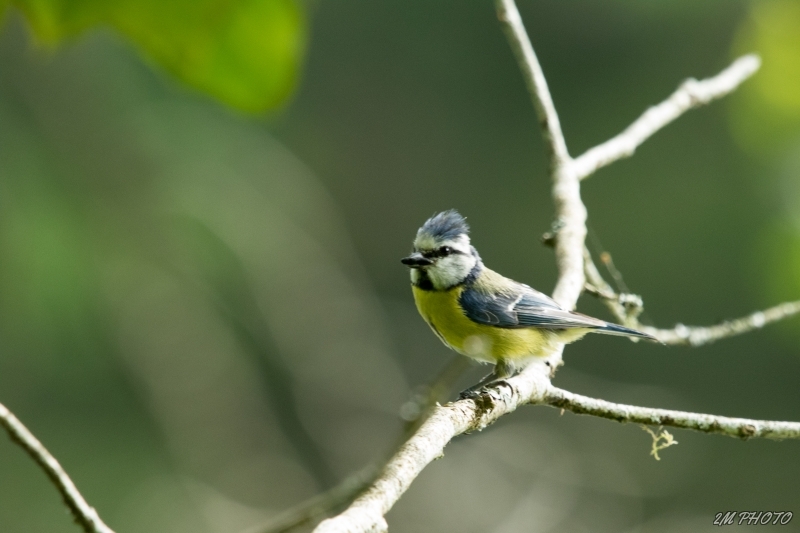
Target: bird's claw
<point>481,388</point>
<point>470,393</point>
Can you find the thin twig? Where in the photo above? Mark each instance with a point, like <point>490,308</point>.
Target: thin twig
<point>742,428</point>
<point>699,335</point>
<point>690,94</point>
<point>597,285</point>
<point>681,334</point>
<point>84,514</point>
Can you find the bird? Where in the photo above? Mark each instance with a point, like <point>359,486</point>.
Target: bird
<point>485,315</point>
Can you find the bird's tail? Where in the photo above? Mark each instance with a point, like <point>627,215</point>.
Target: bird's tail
<point>614,329</point>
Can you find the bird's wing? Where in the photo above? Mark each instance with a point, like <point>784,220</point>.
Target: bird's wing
<point>522,307</point>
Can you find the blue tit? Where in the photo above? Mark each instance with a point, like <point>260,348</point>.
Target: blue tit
<point>482,314</point>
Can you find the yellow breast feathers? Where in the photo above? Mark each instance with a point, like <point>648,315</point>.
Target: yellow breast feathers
<point>443,313</point>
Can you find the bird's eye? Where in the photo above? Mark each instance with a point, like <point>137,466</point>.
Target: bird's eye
<point>445,250</point>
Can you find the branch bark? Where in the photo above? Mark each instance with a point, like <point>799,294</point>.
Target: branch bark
<point>732,427</point>
<point>690,94</point>
<point>84,514</point>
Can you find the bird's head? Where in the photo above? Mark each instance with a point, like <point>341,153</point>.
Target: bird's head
<point>442,253</point>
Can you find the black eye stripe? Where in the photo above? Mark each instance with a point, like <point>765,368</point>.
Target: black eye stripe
<point>443,251</point>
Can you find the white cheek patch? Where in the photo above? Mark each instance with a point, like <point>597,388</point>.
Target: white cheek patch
<point>451,270</point>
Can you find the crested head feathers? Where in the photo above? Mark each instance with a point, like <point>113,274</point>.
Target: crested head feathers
<point>444,226</point>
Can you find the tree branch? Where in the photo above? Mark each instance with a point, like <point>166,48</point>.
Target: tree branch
<point>680,334</point>
<point>690,94</point>
<point>699,335</point>
<point>85,515</point>
<point>531,386</point>
<point>732,427</point>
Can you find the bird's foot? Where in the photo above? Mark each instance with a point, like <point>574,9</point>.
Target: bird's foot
<point>470,393</point>
<point>502,370</point>
<point>478,389</point>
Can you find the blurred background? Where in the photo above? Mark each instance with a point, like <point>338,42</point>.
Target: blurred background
<point>202,210</point>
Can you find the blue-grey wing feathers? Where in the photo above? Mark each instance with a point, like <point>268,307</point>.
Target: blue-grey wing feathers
<point>518,306</point>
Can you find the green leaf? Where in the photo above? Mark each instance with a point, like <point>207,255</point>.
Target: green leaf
<point>243,52</point>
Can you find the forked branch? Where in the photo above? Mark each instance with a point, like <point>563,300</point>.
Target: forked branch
<point>619,305</point>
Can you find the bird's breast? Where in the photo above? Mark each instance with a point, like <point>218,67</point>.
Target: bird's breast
<point>443,313</point>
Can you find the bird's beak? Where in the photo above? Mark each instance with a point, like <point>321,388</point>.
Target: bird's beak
<point>416,260</point>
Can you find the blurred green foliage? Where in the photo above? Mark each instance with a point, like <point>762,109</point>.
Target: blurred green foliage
<point>780,249</point>
<point>766,112</point>
<point>765,121</point>
<point>246,53</point>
